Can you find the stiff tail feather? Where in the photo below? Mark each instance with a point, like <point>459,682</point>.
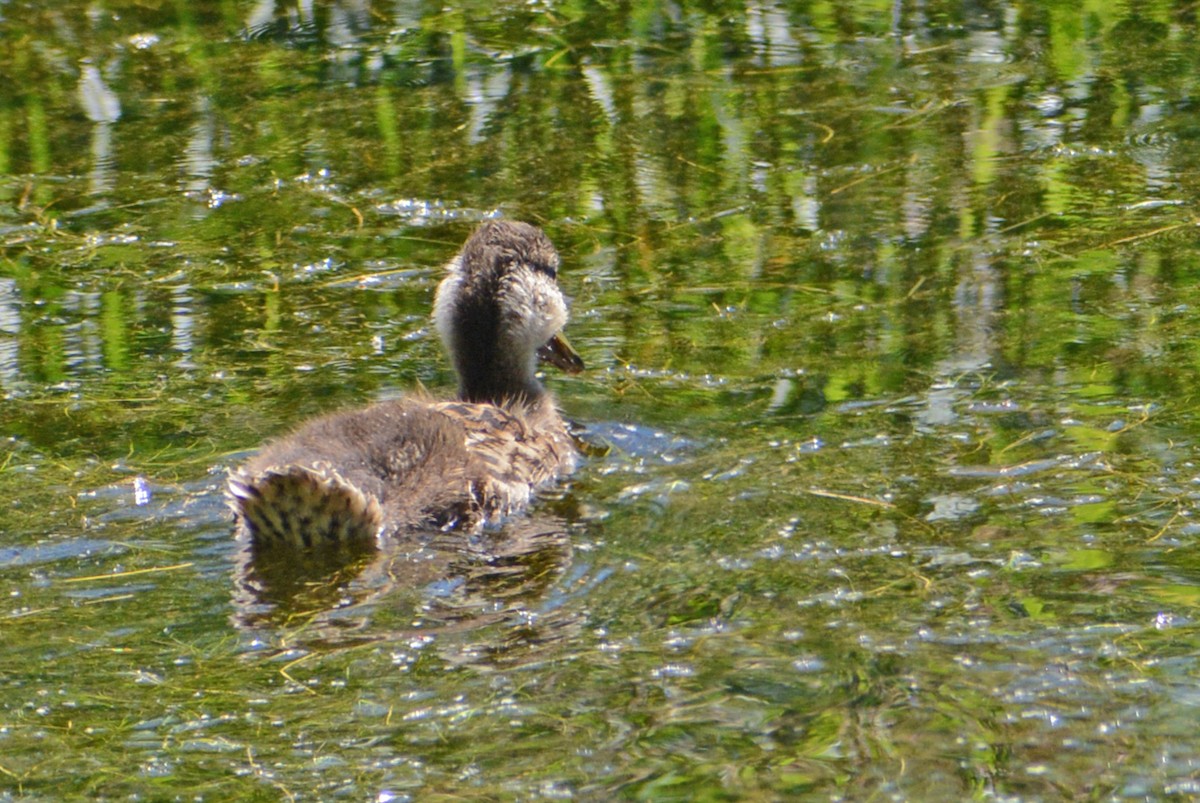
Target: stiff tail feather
<point>302,506</point>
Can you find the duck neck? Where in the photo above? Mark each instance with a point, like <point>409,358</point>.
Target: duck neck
<point>496,378</point>
<point>491,369</point>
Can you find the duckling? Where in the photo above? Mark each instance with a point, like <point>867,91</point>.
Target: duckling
<point>366,475</point>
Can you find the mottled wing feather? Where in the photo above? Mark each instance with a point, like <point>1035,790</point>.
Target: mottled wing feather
<point>515,462</point>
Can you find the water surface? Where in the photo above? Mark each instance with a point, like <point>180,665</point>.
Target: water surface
<point>889,310</point>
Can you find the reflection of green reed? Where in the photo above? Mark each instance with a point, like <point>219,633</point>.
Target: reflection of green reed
<point>6,124</point>
<point>714,270</point>
<point>113,326</point>
<point>39,137</point>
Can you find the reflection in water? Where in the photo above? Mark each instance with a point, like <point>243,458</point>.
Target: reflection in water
<point>445,582</point>
<point>987,47</point>
<point>485,89</point>
<point>103,108</point>
<point>100,180</point>
<point>347,21</point>
<point>10,326</point>
<point>83,345</point>
<point>1160,174</point>
<point>198,159</point>
<point>977,300</point>
<point>268,16</point>
<point>601,90</point>
<point>182,324</point>
<point>261,15</point>
<point>806,205</point>
<point>770,31</point>
<point>100,103</point>
<point>915,207</point>
<point>341,27</point>
<point>281,586</point>
<point>975,351</point>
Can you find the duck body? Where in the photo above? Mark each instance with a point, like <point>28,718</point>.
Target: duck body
<point>416,463</point>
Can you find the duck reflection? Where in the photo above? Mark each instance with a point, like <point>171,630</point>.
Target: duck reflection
<point>439,584</point>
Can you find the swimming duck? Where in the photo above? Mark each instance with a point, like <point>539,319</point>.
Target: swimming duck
<point>364,475</point>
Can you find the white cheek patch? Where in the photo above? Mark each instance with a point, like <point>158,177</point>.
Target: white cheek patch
<point>533,307</point>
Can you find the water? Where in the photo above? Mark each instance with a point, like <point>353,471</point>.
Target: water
<point>888,422</point>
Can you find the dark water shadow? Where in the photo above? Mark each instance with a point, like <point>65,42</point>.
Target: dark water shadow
<point>430,585</point>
